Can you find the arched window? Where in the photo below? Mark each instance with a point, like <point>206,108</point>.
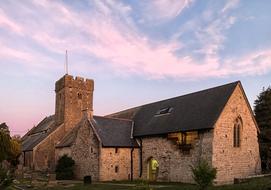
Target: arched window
<point>237,132</point>
<point>79,96</point>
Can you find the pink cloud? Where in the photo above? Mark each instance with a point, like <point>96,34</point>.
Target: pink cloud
<point>108,34</point>
<point>161,10</point>
<point>7,22</point>
<point>7,52</point>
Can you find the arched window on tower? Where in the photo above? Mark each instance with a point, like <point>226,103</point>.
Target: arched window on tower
<point>237,132</point>
<point>79,96</point>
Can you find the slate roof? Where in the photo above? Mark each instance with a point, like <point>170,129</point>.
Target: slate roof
<point>114,132</point>
<point>111,132</point>
<point>70,138</point>
<point>38,133</point>
<point>195,111</point>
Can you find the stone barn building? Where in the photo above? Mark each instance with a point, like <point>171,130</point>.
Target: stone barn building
<point>216,125</point>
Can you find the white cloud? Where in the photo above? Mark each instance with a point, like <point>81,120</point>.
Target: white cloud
<point>108,33</point>
<point>231,4</point>
<point>163,10</point>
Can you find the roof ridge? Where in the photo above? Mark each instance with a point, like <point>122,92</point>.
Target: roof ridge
<point>114,118</point>
<point>200,91</point>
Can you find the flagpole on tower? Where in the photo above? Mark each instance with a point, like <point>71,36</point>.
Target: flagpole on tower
<point>66,64</point>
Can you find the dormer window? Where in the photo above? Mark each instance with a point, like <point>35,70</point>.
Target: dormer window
<point>163,111</point>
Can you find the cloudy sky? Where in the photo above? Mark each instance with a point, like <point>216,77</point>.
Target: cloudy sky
<point>136,51</point>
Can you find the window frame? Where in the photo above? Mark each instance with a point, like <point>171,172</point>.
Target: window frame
<point>164,111</point>
<point>238,125</point>
<point>116,169</point>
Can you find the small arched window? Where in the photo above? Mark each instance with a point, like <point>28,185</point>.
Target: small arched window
<point>116,169</point>
<point>79,96</point>
<point>237,132</point>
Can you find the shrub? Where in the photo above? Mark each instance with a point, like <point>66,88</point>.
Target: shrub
<point>142,184</point>
<point>203,174</point>
<point>64,168</point>
<point>5,178</point>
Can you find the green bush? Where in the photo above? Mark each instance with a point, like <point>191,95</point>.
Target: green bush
<point>64,168</point>
<point>203,174</point>
<point>5,178</point>
<point>142,184</point>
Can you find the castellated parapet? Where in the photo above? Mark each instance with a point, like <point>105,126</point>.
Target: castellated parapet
<point>77,82</point>
<point>73,96</point>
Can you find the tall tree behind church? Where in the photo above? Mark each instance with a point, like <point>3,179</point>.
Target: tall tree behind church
<point>262,110</point>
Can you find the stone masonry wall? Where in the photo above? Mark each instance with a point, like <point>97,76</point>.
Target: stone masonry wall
<point>44,152</point>
<point>174,166</point>
<point>122,159</point>
<point>235,162</point>
<point>27,159</point>
<point>85,152</point>
<point>73,95</point>
<point>59,152</point>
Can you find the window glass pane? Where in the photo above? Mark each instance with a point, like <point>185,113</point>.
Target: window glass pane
<point>185,137</point>
<point>234,136</point>
<point>237,132</point>
<point>191,137</point>
<point>238,135</point>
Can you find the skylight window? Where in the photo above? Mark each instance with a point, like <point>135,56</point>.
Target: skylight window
<point>163,111</point>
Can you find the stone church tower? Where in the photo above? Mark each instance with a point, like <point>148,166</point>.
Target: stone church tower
<point>73,96</point>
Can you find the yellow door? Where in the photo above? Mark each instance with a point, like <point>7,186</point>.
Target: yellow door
<point>152,169</point>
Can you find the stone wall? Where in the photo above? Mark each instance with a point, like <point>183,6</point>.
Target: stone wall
<point>27,159</point>
<point>85,153</point>
<point>174,165</point>
<point>73,95</point>
<point>59,152</point>
<point>44,152</point>
<point>110,159</point>
<point>235,162</point>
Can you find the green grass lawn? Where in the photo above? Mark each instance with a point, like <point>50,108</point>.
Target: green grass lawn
<point>255,184</point>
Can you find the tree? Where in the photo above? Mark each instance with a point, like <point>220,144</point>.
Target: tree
<point>64,167</point>
<point>10,148</point>
<point>262,110</point>
<point>5,145</point>
<point>203,174</point>
<point>14,152</point>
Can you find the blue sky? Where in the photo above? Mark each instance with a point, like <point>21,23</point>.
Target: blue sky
<point>136,51</point>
